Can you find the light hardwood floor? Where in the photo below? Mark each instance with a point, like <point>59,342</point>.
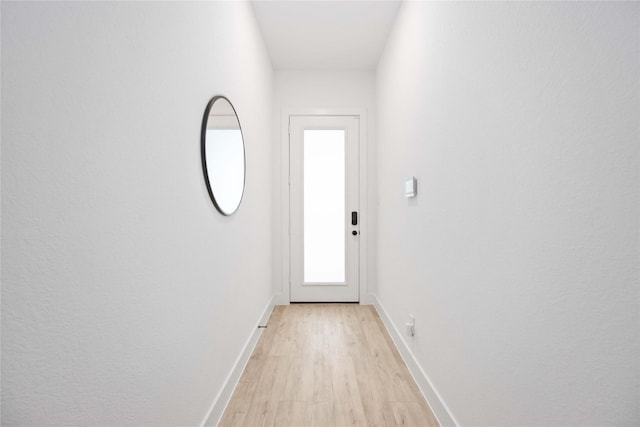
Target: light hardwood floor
<point>326,365</point>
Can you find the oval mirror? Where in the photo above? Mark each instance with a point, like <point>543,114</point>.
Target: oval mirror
<point>223,161</point>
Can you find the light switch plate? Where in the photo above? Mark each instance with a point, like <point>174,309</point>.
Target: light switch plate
<point>411,187</point>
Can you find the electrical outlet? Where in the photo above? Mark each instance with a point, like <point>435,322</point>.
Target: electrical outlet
<point>411,326</point>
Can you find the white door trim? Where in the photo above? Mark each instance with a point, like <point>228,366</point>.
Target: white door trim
<point>283,297</point>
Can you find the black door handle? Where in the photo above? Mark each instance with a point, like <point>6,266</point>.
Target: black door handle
<point>354,218</point>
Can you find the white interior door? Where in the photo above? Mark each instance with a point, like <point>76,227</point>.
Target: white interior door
<point>324,213</point>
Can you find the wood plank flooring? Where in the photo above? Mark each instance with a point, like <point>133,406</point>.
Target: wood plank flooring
<point>326,365</point>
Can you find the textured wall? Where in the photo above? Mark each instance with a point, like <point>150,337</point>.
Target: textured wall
<point>519,257</point>
<point>126,297</point>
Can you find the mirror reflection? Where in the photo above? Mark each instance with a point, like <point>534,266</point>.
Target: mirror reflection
<point>223,160</point>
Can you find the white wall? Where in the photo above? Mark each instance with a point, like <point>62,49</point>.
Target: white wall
<point>519,257</point>
<point>125,295</point>
<point>320,91</point>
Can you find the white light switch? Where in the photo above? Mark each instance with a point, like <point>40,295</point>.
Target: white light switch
<point>410,187</point>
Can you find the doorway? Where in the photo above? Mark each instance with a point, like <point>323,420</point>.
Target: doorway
<point>325,218</point>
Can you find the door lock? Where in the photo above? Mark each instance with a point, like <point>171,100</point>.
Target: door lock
<point>354,232</point>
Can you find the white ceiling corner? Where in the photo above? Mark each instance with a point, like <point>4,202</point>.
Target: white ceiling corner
<point>325,35</point>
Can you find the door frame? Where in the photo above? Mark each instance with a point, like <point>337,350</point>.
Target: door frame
<point>285,273</point>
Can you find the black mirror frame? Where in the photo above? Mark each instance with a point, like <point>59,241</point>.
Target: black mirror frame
<point>203,154</point>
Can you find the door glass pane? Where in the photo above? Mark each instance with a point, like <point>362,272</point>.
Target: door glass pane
<point>324,206</point>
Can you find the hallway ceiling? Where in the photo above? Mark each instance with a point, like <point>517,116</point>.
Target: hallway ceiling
<point>325,35</point>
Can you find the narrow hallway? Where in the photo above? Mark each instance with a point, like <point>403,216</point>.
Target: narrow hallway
<point>326,365</point>
<point>492,181</point>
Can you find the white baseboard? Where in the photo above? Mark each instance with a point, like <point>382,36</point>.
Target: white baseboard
<point>222,399</point>
<point>367,299</point>
<point>433,398</point>
<point>281,298</point>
